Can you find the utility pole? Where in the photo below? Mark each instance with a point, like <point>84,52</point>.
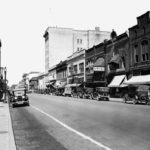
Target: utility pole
<point>0,57</point>
<point>5,83</point>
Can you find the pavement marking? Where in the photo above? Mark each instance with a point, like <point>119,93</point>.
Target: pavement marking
<point>73,130</point>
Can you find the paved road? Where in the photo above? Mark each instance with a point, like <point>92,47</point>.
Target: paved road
<point>76,124</point>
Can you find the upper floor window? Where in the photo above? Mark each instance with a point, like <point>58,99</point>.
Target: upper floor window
<point>81,67</point>
<point>75,68</point>
<point>144,48</point>
<point>136,56</point>
<point>70,70</point>
<point>79,48</point>
<point>79,41</point>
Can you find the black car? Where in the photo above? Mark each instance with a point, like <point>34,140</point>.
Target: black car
<point>19,97</point>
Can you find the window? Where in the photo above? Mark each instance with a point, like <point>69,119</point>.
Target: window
<point>79,41</point>
<point>136,56</point>
<point>70,70</point>
<point>81,67</point>
<point>123,62</point>
<point>144,47</point>
<point>79,48</point>
<point>75,68</point>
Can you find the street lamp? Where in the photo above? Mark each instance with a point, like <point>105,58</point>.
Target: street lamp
<point>5,71</point>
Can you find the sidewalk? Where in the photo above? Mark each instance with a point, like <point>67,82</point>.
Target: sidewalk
<point>6,133</point>
<point>116,99</point>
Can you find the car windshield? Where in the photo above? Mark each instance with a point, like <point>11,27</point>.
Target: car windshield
<point>19,92</point>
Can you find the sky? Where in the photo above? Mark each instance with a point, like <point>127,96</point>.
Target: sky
<point>23,23</point>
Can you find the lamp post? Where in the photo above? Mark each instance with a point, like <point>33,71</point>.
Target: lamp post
<point>5,71</point>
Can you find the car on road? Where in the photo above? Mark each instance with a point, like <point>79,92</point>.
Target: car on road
<point>102,93</point>
<point>137,94</point>
<point>19,97</point>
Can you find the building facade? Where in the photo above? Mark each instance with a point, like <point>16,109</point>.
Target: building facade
<point>95,66</point>
<point>117,56</point>
<point>63,42</point>
<point>76,67</point>
<point>139,36</point>
<point>61,74</point>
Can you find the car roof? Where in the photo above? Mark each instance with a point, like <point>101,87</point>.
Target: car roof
<point>19,89</point>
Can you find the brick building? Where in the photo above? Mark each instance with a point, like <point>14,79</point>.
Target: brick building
<point>95,66</point>
<point>117,56</point>
<point>139,36</point>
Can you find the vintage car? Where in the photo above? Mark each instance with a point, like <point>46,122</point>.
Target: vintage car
<point>82,92</point>
<point>137,94</point>
<point>102,93</point>
<point>19,97</point>
<point>71,90</point>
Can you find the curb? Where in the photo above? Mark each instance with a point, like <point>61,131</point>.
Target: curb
<point>12,145</point>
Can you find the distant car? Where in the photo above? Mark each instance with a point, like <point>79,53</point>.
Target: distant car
<point>19,97</point>
<point>102,93</point>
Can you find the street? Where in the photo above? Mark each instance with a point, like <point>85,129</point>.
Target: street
<point>60,123</point>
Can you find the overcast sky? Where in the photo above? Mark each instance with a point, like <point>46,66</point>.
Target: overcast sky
<point>23,23</point>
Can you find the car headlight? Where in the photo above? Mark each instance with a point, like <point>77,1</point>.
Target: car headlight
<point>15,97</point>
<point>23,96</point>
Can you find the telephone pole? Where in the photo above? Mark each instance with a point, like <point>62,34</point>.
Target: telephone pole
<point>0,57</point>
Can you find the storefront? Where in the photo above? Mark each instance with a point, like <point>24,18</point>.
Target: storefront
<point>117,86</point>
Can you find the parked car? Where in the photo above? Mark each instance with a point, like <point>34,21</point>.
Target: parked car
<point>71,90</point>
<point>19,97</point>
<point>102,93</point>
<point>137,94</point>
<point>83,92</point>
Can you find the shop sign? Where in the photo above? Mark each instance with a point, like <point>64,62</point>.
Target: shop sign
<point>99,69</point>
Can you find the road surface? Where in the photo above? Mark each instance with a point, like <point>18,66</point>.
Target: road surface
<point>60,123</point>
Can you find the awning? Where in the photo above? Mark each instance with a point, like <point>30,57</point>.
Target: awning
<point>118,81</point>
<point>115,59</point>
<point>143,79</point>
<point>61,84</point>
<point>50,83</point>
<point>73,85</point>
<point>99,62</point>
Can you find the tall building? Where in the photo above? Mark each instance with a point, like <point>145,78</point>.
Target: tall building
<point>63,42</point>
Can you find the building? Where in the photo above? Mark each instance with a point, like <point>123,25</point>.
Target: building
<point>139,36</point>
<point>63,42</point>
<point>61,74</point>
<point>117,63</point>
<point>76,67</point>
<point>27,77</point>
<point>95,66</point>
